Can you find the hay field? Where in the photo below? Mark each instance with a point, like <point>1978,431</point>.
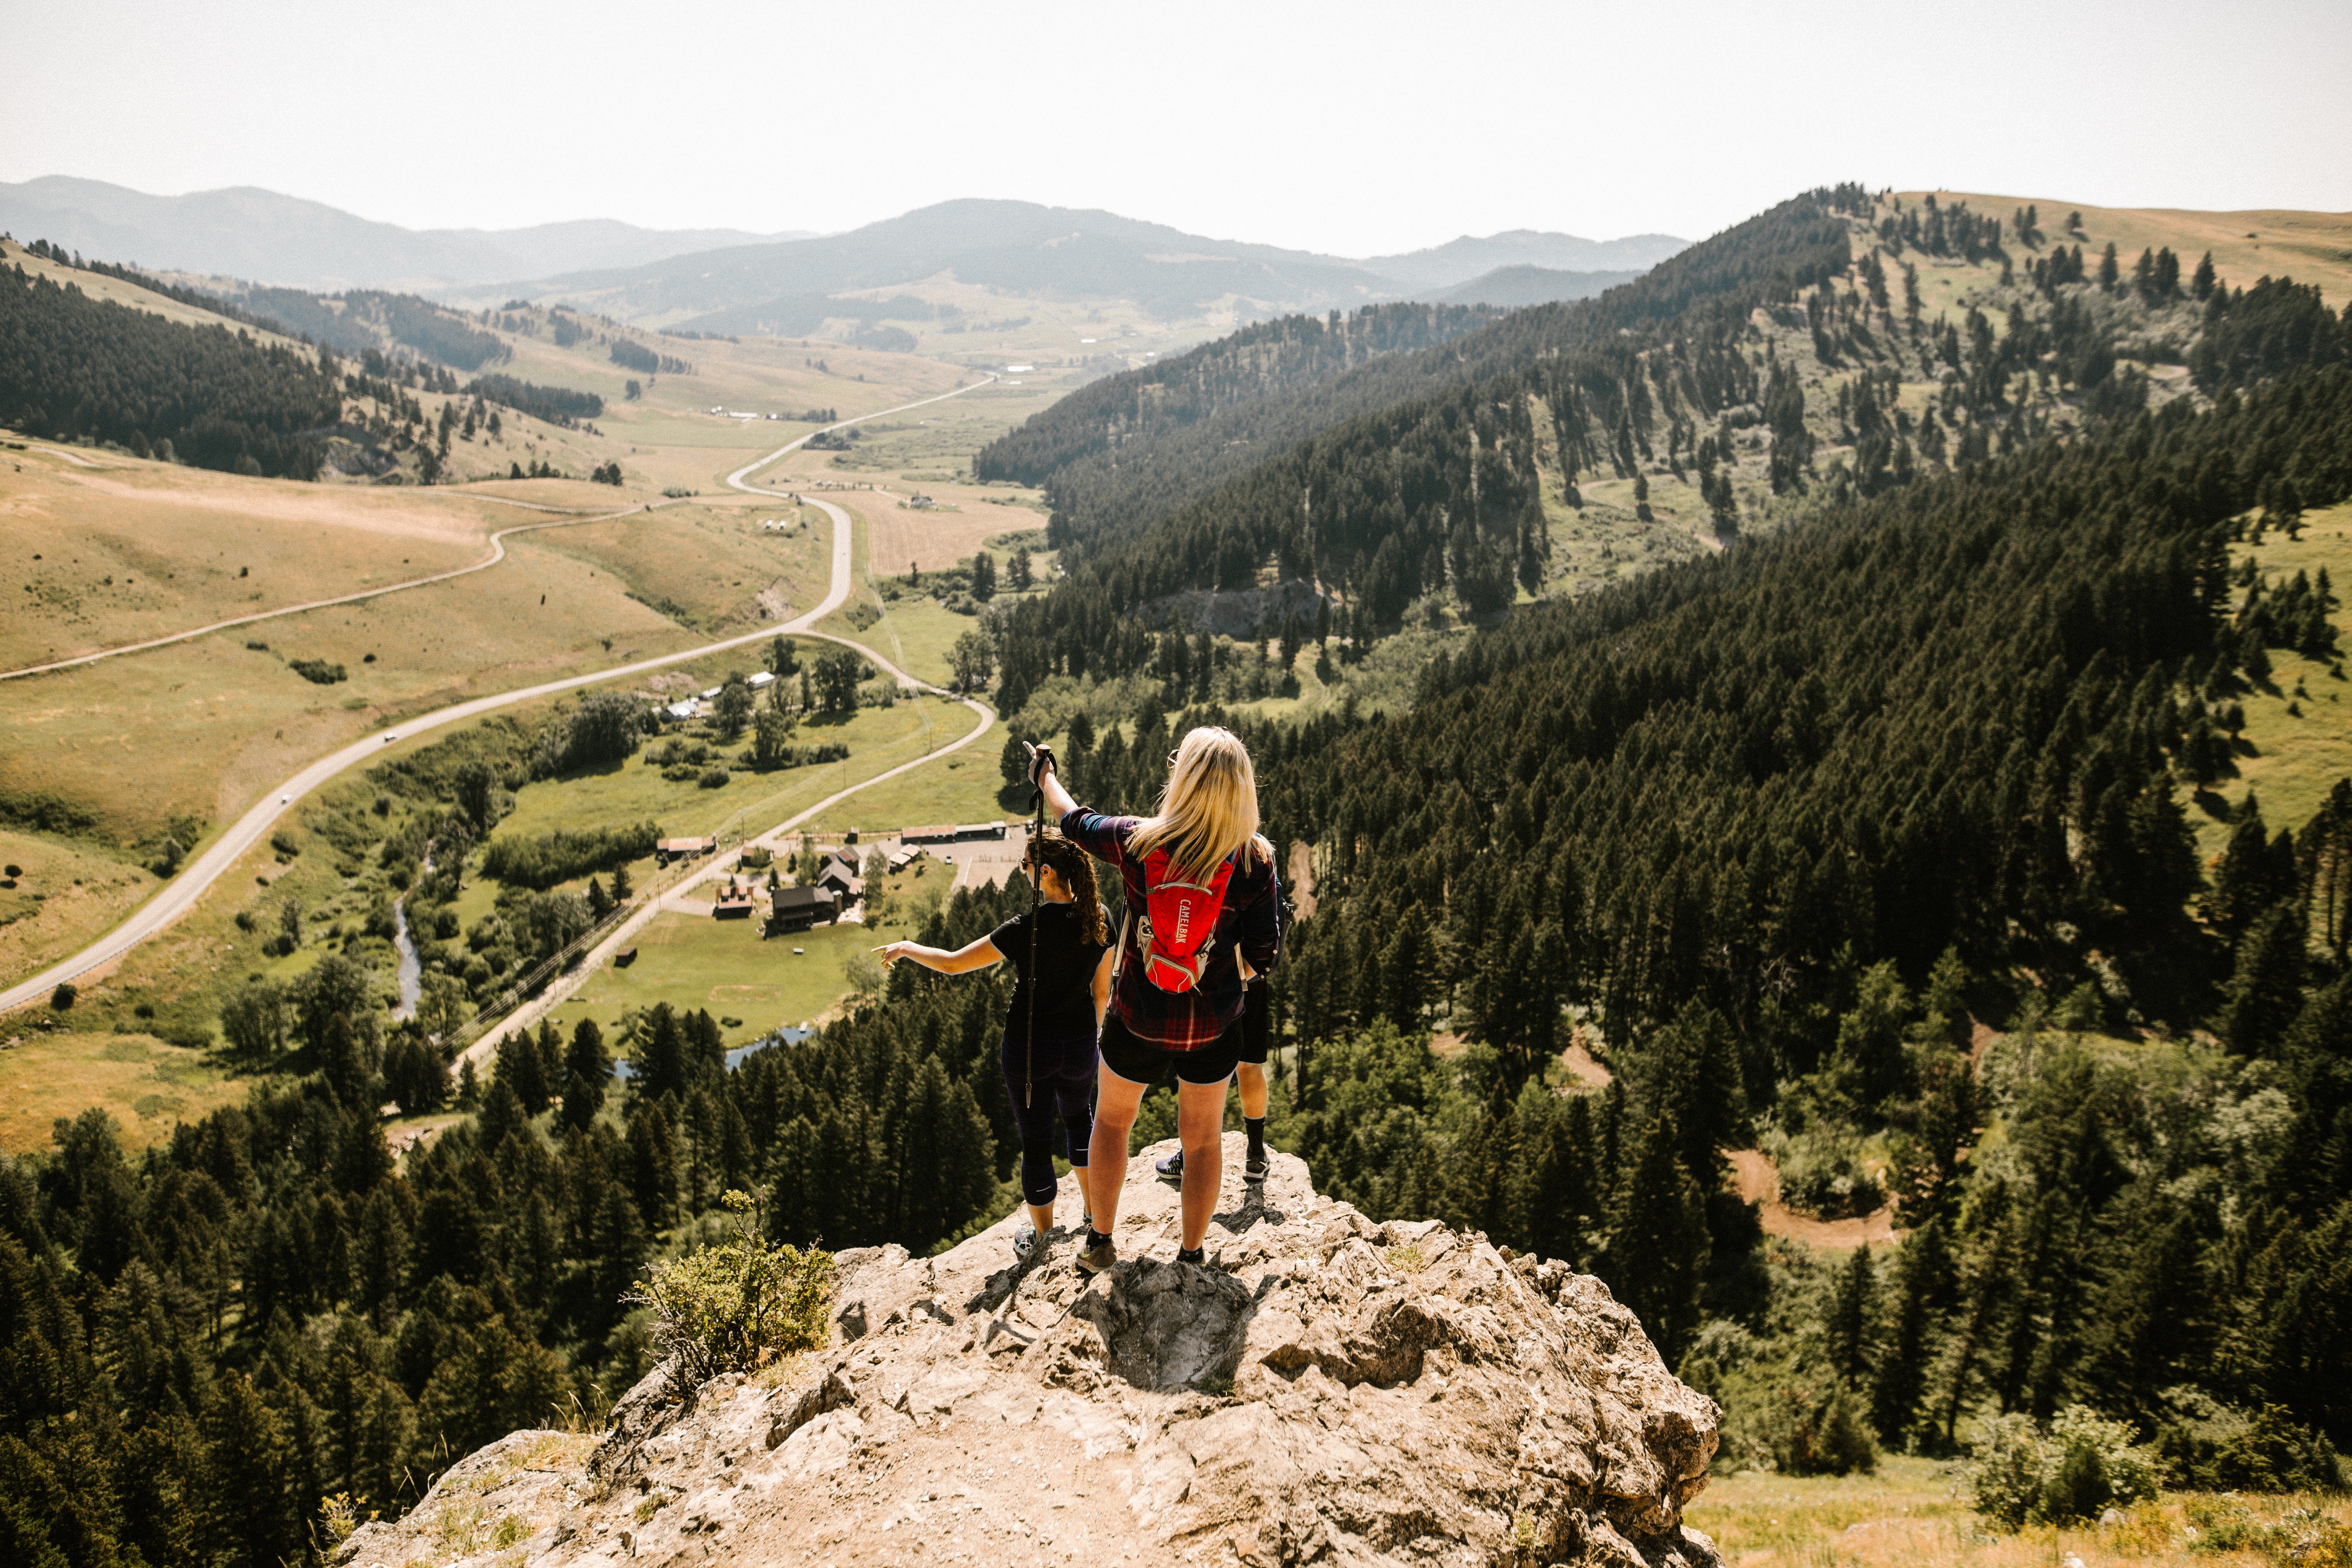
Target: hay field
<point>710,565</point>
<point>130,550</point>
<point>147,1085</point>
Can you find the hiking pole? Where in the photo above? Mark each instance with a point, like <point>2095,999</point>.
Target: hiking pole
<point>1034,853</point>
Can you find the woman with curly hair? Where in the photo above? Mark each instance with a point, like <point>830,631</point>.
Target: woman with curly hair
<point>1049,1060</point>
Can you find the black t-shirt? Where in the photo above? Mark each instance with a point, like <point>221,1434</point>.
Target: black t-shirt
<point>1066,961</point>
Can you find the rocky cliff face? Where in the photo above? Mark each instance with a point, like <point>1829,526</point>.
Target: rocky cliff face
<point>1329,1389</point>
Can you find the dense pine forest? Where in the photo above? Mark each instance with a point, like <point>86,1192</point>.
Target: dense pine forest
<point>1864,845</point>
<point>1104,499</point>
<point>74,367</point>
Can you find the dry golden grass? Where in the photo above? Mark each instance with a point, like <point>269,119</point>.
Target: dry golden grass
<point>203,727</point>
<point>711,561</point>
<point>144,1083</point>
<point>1914,1513</point>
<point>132,550</point>
<point>897,534</point>
<point>66,894</point>
<point>2308,247</point>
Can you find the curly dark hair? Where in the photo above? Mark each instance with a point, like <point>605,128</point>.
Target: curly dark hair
<point>1076,869</point>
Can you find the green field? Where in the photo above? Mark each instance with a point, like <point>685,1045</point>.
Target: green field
<point>67,892</point>
<point>2301,729</point>
<point>726,967</point>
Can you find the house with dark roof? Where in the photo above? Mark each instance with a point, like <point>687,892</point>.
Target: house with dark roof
<point>797,908</point>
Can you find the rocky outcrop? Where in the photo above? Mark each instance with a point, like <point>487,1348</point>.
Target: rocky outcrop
<point>1330,1389</point>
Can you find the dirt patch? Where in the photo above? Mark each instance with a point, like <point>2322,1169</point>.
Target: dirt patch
<point>1301,871</point>
<point>1759,1182</point>
<point>1579,1062</point>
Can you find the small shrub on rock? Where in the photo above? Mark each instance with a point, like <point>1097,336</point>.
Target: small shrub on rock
<point>738,1305</point>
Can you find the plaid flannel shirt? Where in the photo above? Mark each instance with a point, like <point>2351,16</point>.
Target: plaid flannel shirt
<point>1249,924</point>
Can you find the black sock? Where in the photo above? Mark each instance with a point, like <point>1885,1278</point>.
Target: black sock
<point>1095,1238</point>
<point>1195,1255</point>
<point>1254,1127</point>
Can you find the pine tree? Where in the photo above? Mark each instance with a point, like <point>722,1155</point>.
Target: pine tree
<point>2110,270</point>
<point>653,1165</point>
<point>2266,991</point>
<point>2201,284</point>
<point>1853,1315</point>
<point>1922,1282</point>
<point>1658,1244</point>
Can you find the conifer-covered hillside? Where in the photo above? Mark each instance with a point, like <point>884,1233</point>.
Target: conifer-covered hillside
<point>72,366</point>
<point>1104,498</point>
<point>1940,338</point>
<point>1765,831</point>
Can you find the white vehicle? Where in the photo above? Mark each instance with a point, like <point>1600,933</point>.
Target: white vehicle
<point>285,800</point>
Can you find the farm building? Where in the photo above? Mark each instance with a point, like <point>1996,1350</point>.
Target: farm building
<point>797,908</point>
<point>733,901</point>
<point>839,873</point>
<point>941,833</point>
<point>668,849</point>
<point>761,681</point>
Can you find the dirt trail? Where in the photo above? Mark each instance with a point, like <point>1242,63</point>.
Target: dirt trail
<point>1759,1183</point>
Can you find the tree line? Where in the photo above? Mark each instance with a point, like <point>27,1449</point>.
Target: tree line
<point>74,368</point>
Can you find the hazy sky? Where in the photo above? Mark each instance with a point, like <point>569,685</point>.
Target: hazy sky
<point>1355,128</point>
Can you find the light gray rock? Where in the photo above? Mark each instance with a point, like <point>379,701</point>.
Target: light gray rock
<point>1330,1389</point>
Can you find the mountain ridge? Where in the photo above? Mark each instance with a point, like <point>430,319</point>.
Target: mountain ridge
<point>246,231</point>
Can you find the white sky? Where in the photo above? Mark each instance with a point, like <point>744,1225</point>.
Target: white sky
<point>1354,128</point>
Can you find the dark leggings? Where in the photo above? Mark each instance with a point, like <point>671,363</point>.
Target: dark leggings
<point>1061,1077</point>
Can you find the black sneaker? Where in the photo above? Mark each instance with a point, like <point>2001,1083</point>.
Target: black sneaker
<point>1171,1169</point>
<point>1095,1252</point>
<point>1198,1256</point>
<point>1254,1171</point>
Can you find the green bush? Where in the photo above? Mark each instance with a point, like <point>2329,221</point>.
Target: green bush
<point>738,1305</point>
<point>2209,1446</point>
<point>543,862</point>
<point>2081,1465</point>
<point>1823,1435</point>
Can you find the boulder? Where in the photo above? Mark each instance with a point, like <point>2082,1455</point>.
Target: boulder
<point>1328,1389</point>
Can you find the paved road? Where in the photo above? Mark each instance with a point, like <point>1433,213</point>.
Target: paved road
<point>180,895</point>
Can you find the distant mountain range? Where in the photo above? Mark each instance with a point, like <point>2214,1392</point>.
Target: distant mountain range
<point>245,232</point>
<point>1513,287</point>
<point>1021,247</point>
<point>732,281</point>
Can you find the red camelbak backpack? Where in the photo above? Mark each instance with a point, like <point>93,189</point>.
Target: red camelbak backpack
<point>1178,922</point>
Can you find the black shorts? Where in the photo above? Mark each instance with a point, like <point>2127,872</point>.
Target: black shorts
<point>1257,1026</point>
<point>1141,1061</point>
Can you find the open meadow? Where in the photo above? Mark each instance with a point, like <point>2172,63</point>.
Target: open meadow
<point>147,1085</point>
<point>751,984</point>
<point>2298,731</point>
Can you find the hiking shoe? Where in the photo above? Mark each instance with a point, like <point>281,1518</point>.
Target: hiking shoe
<point>1171,1169</point>
<point>1254,1171</point>
<point>1095,1253</point>
<point>1198,1256</point>
<point>1025,1243</point>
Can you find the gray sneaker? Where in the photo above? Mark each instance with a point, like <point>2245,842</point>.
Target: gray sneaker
<point>1026,1242</point>
<point>1254,1171</point>
<point>1097,1252</point>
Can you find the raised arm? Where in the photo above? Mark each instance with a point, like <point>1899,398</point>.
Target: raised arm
<point>1059,801</point>
<point>978,954</point>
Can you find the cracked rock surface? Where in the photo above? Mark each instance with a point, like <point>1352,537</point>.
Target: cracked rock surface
<point>1328,1390</point>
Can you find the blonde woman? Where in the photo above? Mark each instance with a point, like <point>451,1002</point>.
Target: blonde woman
<point>1207,829</point>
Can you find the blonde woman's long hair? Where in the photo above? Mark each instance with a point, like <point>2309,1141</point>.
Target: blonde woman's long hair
<point>1208,809</point>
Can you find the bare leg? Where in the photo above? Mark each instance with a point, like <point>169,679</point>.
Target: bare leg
<point>1116,1102</point>
<point>1251,1077</point>
<point>1041,1217</point>
<point>1200,1118</point>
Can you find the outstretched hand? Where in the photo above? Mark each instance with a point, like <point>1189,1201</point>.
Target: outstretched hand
<point>892,952</point>
<point>1041,761</point>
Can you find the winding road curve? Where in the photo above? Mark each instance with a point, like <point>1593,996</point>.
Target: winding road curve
<point>180,895</point>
